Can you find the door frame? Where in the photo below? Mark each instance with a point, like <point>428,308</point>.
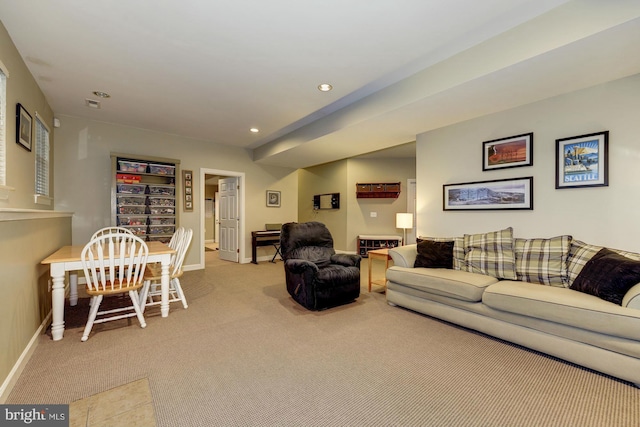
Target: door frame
<point>241,210</point>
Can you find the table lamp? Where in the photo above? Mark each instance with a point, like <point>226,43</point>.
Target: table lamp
<point>404,221</point>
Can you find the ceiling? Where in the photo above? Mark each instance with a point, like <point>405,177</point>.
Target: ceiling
<point>213,69</point>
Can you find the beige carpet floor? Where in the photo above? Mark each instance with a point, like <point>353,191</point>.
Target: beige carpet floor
<point>245,354</point>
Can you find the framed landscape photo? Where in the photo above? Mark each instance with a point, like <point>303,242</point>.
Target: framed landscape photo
<point>500,194</point>
<point>273,199</point>
<point>23,127</point>
<point>510,152</point>
<point>583,161</point>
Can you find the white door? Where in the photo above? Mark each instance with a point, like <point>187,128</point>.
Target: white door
<point>228,239</point>
<point>216,210</point>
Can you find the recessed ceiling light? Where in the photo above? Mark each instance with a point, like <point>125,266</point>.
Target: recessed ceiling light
<point>101,94</point>
<point>254,130</point>
<point>324,87</point>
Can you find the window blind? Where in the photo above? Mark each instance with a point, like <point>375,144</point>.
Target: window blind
<point>42,158</point>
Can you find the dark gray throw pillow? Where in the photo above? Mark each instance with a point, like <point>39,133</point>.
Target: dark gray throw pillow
<point>608,275</point>
<point>434,254</point>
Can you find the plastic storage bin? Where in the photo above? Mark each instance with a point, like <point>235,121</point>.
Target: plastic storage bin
<point>131,210</point>
<point>162,169</point>
<point>132,220</point>
<point>162,210</point>
<point>161,201</point>
<point>131,188</point>
<point>127,179</point>
<point>162,190</point>
<point>130,200</point>
<point>130,166</point>
<point>162,220</point>
<point>162,229</point>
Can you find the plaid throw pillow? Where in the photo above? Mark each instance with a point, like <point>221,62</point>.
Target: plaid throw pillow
<point>458,248</point>
<point>543,261</point>
<point>491,254</point>
<point>580,253</point>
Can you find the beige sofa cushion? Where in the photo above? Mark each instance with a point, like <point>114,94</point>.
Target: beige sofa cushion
<point>441,281</point>
<point>564,306</point>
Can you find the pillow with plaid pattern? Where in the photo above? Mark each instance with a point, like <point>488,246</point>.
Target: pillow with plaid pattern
<point>543,261</point>
<point>491,254</point>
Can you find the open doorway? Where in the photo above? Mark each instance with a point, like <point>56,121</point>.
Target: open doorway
<point>222,213</point>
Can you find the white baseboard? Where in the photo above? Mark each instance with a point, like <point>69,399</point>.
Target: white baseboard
<point>21,363</point>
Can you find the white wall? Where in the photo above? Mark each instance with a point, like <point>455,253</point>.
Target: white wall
<point>603,215</point>
<point>83,177</point>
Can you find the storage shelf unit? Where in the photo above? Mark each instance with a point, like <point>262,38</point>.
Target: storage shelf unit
<point>143,195</point>
<point>367,242</point>
<point>389,190</point>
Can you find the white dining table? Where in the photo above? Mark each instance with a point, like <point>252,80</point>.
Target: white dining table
<point>68,258</point>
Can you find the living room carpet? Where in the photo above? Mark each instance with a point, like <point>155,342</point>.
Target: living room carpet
<point>245,354</point>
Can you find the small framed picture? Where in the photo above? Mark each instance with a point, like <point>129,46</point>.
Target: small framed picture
<point>23,127</point>
<point>510,152</point>
<point>273,199</point>
<point>582,161</point>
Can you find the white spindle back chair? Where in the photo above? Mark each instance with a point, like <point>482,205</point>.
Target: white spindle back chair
<point>151,291</point>
<point>114,264</point>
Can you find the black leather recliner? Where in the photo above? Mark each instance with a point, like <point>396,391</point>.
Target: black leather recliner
<point>317,277</point>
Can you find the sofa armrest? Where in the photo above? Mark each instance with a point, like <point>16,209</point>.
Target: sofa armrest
<point>632,298</point>
<point>404,256</point>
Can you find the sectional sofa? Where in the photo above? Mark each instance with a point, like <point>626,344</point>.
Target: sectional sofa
<point>561,296</point>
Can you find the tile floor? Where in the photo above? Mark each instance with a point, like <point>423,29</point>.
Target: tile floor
<point>129,405</point>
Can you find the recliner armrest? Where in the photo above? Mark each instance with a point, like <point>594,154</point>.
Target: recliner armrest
<point>348,260</point>
<point>298,266</point>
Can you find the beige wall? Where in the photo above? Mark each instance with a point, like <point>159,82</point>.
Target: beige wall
<point>324,179</point>
<point>604,215</point>
<point>363,170</point>
<point>26,298</point>
<point>28,234</point>
<point>21,88</point>
<point>354,216</point>
<point>83,177</point>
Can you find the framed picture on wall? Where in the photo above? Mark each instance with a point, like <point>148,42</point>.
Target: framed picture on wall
<point>23,127</point>
<point>500,194</point>
<point>583,161</point>
<point>510,152</point>
<point>187,185</point>
<point>273,199</point>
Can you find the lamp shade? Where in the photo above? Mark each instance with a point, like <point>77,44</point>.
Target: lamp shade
<point>404,220</point>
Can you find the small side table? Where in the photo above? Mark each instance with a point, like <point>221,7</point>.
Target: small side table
<point>383,255</point>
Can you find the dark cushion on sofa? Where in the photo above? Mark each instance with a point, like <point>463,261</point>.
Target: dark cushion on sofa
<point>434,254</point>
<point>608,275</point>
